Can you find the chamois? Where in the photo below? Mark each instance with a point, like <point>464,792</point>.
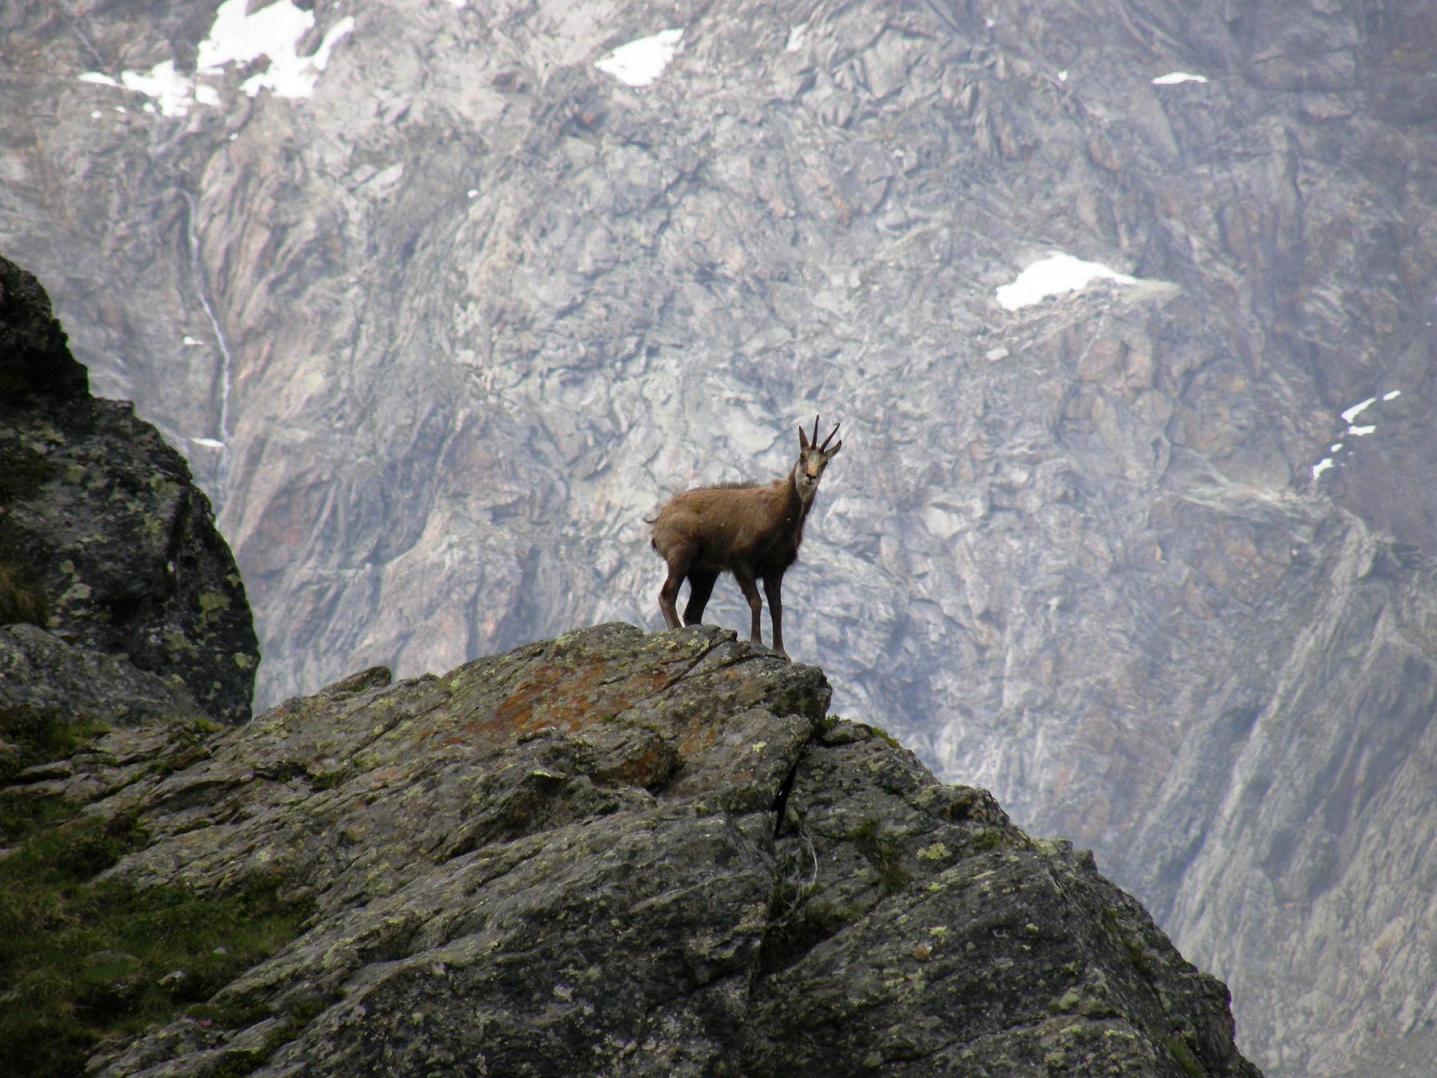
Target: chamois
<point>752,531</point>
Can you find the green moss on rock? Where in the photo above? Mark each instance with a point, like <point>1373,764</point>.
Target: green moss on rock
<point>43,734</point>
<point>85,959</point>
<point>20,600</point>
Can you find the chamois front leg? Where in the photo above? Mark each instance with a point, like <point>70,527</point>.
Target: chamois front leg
<point>749,586</point>
<point>773,588</point>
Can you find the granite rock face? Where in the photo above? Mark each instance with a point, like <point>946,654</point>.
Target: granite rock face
<point>109,548</point>
<point>439,335</point>
<point>619,853</point>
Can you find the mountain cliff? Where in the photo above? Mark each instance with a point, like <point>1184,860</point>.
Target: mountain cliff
<point>1125,309</point>
<point>610,852</point>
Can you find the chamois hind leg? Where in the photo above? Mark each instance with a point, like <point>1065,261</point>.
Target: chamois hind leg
<point>678,565</point>
<point>701,586</point>
<point>773,588</point>
<point>749,587</point>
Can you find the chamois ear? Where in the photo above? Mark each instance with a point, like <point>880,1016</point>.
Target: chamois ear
<point>829,454</point>
<point>802,438</point>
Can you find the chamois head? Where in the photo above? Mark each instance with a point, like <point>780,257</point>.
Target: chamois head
<point>812,459</point>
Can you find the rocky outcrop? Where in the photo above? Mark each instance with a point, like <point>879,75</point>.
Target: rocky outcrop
<point>438,336</point>
<point>622,853</point>
<point>106,546</point>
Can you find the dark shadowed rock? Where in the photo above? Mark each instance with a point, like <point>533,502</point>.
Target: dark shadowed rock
<point>613,853</point>
<point>40,671</point>
<point>34,358</point>
<point>104,539</point>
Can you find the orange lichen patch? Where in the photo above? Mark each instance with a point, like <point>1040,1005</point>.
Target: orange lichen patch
<point>695,738</point>
<point>570,697</point>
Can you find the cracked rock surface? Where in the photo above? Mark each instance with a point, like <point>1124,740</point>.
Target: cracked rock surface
<point>622,853</point>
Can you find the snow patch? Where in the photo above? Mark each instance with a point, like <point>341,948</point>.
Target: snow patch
<point>1054,275</point>
<point>1176,78</point>
<point>275,32</point>
<point>162,84</point>
<point>209,443</point>
<point>238,36</point>
<point>797,35</point>
<point>1357,409</point>
<point>1354,429</point>
<point>641,62</point>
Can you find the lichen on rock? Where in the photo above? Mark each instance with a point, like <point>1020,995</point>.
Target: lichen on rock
<point>104,539</point>
<point>623,853</point>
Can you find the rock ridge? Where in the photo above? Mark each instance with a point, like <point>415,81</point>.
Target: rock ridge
<point>620,853</point>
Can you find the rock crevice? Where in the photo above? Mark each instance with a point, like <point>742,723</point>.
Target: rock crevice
<point>623,853</point>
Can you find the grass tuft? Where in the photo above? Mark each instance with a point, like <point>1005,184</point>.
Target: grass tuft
<point>884,852</point>
<point>22,472</point>
<point>84,960</point>
<point>20,601</point>
<point>43,734</point>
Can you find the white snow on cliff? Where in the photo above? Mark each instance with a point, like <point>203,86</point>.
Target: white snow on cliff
<point>273,32</point>
<point>1052,276</point>
<point>1176,78</point>
<point>1355,430</point>
<point>1349,414</point>
<point>169,91</point>
<point>641,62</point>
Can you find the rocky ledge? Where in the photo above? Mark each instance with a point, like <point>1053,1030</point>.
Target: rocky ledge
<point>617,853</point>
<point>107,547</point>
